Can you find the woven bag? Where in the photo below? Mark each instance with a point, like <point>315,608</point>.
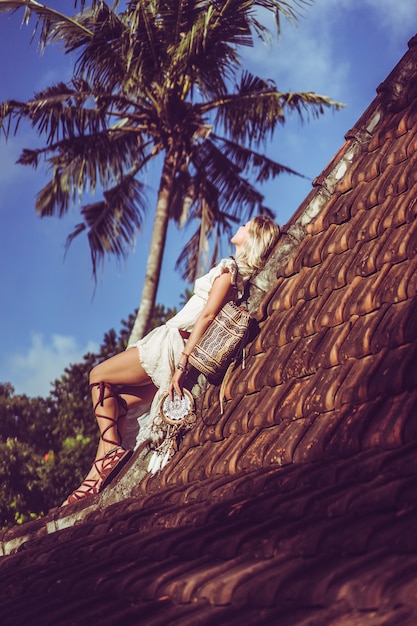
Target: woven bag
<point>221,341</point>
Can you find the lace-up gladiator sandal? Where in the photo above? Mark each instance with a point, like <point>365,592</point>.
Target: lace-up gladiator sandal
<point>89,487</point>
<point>109,465</point>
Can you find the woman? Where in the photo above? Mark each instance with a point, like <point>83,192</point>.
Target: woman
<point>157,363</point>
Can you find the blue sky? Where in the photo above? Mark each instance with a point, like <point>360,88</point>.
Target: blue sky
<point>52,313</point>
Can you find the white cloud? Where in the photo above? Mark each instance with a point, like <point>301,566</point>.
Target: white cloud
<point>303,59</point>
<point>392,18</point>
<point>307,55</point>
<point>32,372</point>
<point>394,15</point>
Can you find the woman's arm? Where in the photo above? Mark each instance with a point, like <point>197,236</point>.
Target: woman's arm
<point>220,293</point>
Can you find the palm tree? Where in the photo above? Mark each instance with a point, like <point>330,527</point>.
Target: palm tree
<point>159,81</point>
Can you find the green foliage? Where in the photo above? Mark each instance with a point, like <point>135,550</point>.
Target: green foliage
<point>19,488</point>
<point>47,444</point>
<point>62,471</point>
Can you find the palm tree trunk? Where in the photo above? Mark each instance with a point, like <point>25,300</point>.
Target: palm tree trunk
<point>156,251</point>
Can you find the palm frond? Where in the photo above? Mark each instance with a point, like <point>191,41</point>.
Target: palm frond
<point>97,32</point>
<point>54,25</point>
<point>225,176</point>
<point>94,3</point>
<point>221,198</point>
<point>82,165</point>
<point>291,11</point>
<point>112,223</point>
<point>58,111</point>
<point>212,224</point>
<point>10,110</point>
<point>68,112</point>
<point>232,21</point>
<point>253,163</point>
<point>55,197</point>
<point>207,53</point>
<point>252,113</point>
<point>102,57</point>
<point>142,19</point>
<point>188,262</point>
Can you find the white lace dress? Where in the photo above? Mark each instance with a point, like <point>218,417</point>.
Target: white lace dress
<point>160,351</point>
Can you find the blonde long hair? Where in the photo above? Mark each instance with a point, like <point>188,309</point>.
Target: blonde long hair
<point>263,235</point>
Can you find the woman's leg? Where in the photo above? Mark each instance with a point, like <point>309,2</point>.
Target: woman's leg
<point>133,395</point>
<point>109,404</point>
<point>116,384</point>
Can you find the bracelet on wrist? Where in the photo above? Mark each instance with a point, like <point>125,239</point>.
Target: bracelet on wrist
<point>185,354</point>
<point>182,368</point>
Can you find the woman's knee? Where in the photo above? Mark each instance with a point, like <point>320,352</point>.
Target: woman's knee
<point>122,369</point>
<point>96,374</point>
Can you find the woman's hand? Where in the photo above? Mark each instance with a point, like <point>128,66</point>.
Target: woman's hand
<point>176,383</point>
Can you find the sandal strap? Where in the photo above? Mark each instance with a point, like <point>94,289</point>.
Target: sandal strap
<point>91,489</point>
<point>110,460</point>
<point>102,386</point>
<point>110,452</point>
<point>112,464</point>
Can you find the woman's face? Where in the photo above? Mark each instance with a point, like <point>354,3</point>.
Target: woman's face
<point>241,235</point>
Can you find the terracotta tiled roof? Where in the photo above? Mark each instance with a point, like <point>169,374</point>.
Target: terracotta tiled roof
<point>297,505</point>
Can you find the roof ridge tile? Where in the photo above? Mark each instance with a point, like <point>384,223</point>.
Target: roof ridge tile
<point>320,221</point>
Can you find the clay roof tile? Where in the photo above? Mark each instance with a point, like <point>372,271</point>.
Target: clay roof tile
<point>297,503</point>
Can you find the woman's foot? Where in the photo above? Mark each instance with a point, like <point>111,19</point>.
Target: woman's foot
<point>89,487</point>
<point>104,470</point>
<point>112,463</point>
